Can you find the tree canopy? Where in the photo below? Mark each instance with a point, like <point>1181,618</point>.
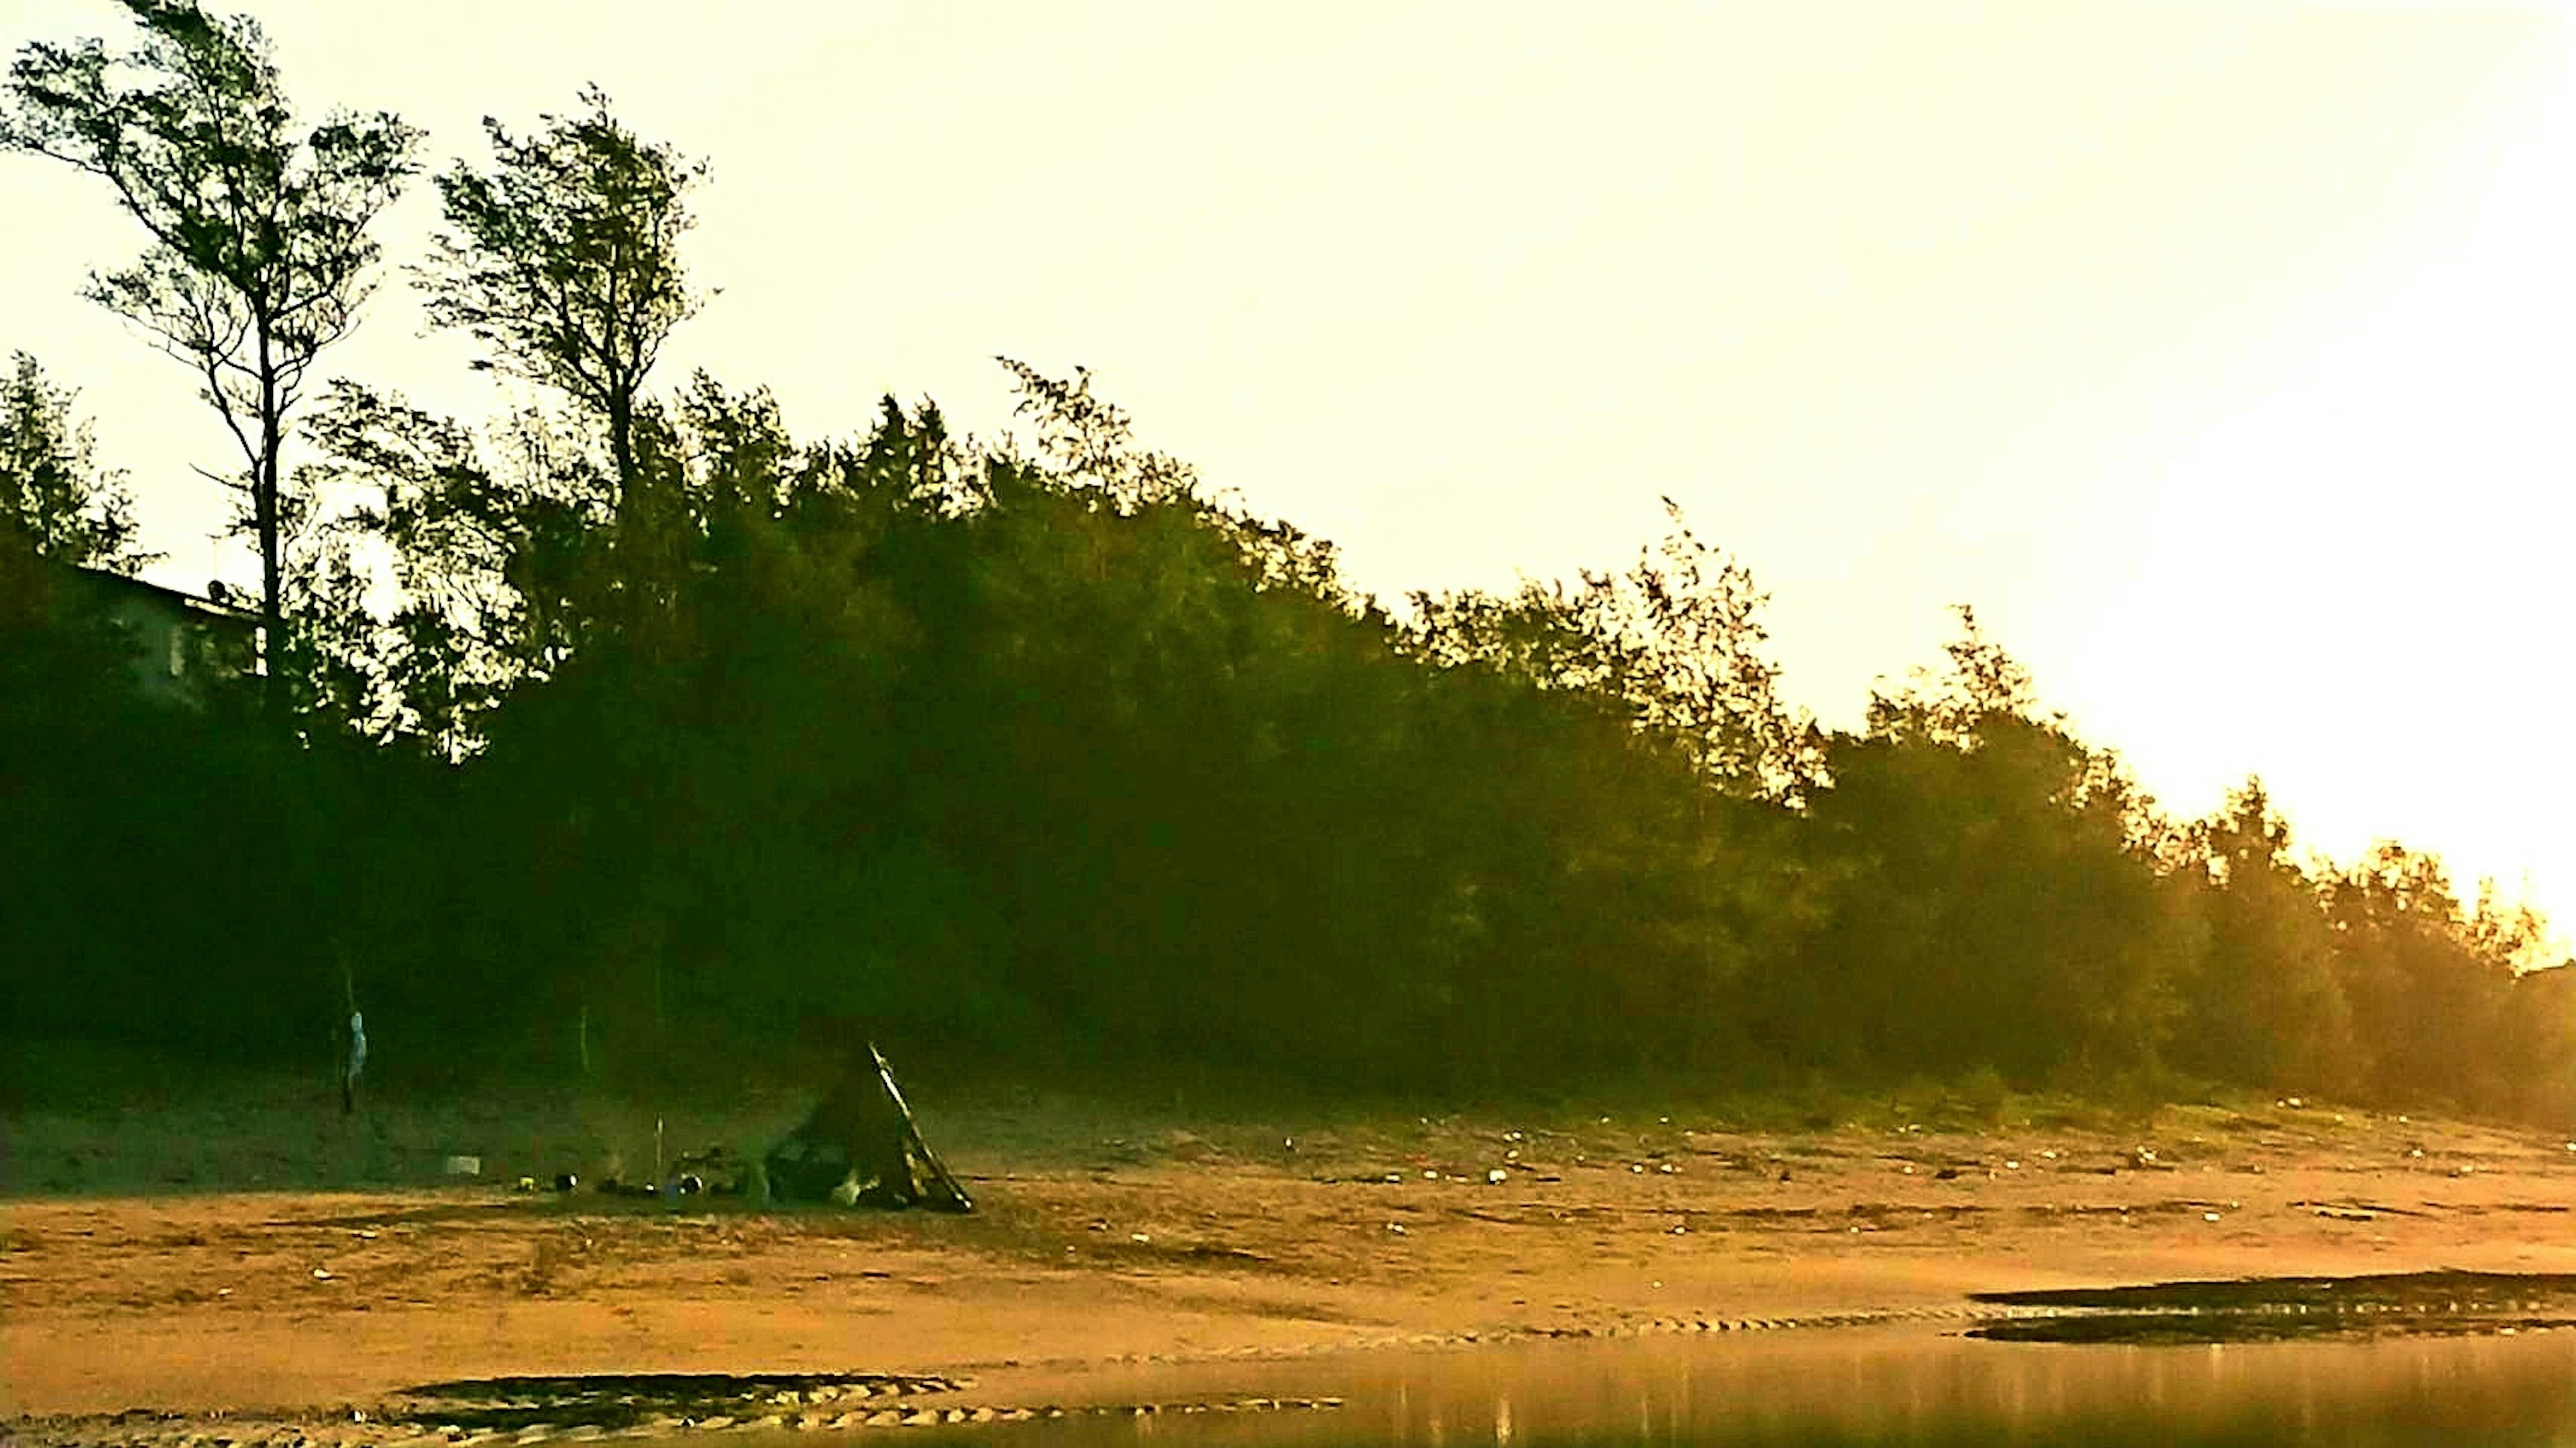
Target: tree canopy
<point>257,253</point>
<point>633,707</point>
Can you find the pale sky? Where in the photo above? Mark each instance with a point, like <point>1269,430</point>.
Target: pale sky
<point>2220,354</point>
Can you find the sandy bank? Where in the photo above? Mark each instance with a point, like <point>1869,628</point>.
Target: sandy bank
<point>1185,1246</point>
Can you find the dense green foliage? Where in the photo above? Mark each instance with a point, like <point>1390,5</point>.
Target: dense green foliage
<point>1045,756</point>
<point>643,730</point>
<point>56,502</point>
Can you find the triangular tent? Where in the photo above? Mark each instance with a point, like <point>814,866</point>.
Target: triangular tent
<point>863,1137</point>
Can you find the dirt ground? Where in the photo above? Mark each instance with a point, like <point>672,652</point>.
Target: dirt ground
<point>133,1274</point>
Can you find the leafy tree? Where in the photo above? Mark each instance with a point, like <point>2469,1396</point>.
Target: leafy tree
<point>1998,902</point>
<point>60,667</point>
<point>258,253</point>
<point>1677,639</point>
<point>2431,983</point>
<point>1086,444</point>
<point>565,261</point>
<point>56,503</point>
<point>479,529</point>
<point>2264,1005</point>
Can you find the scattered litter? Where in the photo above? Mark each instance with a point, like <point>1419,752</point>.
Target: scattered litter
<point>1138,1237</point>
<point>1494,1177</point>
<point>1395,1229</point>
<point>462,1166</point>
<point>1430,1176</point>
<point>1635,1170</point>
<point>321,1274</point>
<point>2209,1216</point>
<point>524,1185</point>
<point>1394,1177</point>
<point>1680,1229</point>
<point>2012,1166</point>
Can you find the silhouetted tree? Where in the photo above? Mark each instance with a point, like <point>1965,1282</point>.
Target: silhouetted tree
<point>2263,1004</point>
<point>1998,904</point>
<point>258,253</point>
<point>1677,637</point>
<point>565,261</point>
<point>2430,983</point>
<point>56,503</point>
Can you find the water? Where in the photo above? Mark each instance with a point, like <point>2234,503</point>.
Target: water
<point>1909,1386</point>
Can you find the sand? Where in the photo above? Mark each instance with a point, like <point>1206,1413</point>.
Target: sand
<point>1179,1246</point>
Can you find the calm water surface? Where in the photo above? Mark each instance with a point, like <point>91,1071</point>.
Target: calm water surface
<point>1857,1387</point>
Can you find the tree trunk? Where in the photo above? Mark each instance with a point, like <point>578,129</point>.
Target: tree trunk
<point>264,513</point>
<point>621,440</point>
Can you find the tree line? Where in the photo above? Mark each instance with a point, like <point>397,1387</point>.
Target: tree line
<point>630,709</point>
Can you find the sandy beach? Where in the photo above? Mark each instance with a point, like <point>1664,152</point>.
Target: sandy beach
<point>1169,1245</point>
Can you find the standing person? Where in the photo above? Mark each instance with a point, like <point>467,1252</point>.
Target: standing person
<point>355,1066</point>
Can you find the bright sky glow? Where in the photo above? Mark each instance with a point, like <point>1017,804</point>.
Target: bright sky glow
<point>2219,354</point>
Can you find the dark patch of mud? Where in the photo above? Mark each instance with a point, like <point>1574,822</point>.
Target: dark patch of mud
<point>516,1412</point>
<point>2174,1329</point>
<point>2449,1291</point>
<point>2287,1309</point>
<point>620,1400</point>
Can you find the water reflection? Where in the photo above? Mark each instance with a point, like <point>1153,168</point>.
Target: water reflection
<point>1865,1388</point>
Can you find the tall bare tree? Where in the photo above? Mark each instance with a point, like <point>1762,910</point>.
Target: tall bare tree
<point>565,262</point>
<point>259,254</point>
